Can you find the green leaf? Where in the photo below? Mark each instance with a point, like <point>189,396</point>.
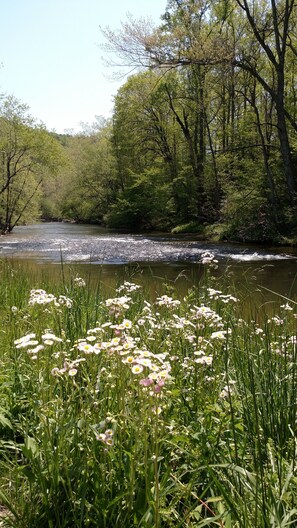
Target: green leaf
<point>30,449</point>
<point>5,422</point>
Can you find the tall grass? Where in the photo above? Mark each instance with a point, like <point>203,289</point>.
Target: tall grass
<point>132,411</point>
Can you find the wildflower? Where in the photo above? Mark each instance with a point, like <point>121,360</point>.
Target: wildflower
<point>128,344</point>
<point>118,302</point>
<point>56,371</point>
<point>209,258</point>
<point>167,301</point>
<point>128,287</point>
<point>286,307</point>
<point>51,337</point>
<point>79,282</point>
<point>24,338</point>
<point>109,432</point>
<point>228,298</point>
<point>14,309</point>
<point>227,390</point>
<point>277,320</point>
<point>146,382</point>
<point>35,350</point>
<point>96,348</point>
<point>25,341</point>
<point>25,344</point>
<point>62,300</point>
<point>224,393</point>
<point>145,362</point>
<point>85,347</point>
<point>127,324</point>
<point>91,338</point>
<point>221,335</point>
<point>137,369</point>
<point>214,293</point>
<point>154,374</point>
<point>259,331</point>
<point>72,372</point>
<point>129,359</point>
<point>163,374</point>
<point>204,360</point>
<point>106,437</point>
<point>115,341</point>
<point>40,297</point>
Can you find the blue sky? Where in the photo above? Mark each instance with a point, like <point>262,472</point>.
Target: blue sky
<point>51,57</point>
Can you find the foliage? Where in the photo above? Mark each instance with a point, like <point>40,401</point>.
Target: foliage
<point>144,204</point>
<point>203,133</point>
<point>85,187</point>
<point>191,227</point>
<point>216,107</point>
<point>148,412</point>
<point>29,155</point>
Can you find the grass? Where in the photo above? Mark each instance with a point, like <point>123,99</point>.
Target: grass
<point>132,411</point>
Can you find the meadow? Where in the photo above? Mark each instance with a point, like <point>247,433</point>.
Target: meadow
<point>129,410</point>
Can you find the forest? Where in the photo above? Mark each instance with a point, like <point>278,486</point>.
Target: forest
<point>203,136</point>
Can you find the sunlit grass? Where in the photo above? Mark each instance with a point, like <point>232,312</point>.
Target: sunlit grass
<point>129,410</point>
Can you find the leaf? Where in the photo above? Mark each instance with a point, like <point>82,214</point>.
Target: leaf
<point>180,438</point>
<point>4,500</point>
<point>30,449</point>
<point>5,422</point>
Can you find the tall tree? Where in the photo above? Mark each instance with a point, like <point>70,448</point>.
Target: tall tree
<point>270,23</point>
<point>27,154</point>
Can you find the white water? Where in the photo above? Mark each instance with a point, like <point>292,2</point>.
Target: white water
<point>55,241</point>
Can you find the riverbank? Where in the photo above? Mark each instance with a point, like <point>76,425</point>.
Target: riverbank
<point>222,233</point>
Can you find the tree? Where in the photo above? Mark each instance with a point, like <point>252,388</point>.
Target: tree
<point>144,140</point>
<point>270,24</point>
<point>87,184</point>
<point>229,83</point>
<point>27,153</point>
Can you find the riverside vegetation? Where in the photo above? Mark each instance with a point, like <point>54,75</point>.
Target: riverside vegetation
<point>202,136</point>
<point>126,410</point>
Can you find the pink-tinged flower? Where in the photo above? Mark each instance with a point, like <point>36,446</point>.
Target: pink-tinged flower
<point>101,437</point>
<point>146,382</point>
<point>85,347</point>
<point>109,432</point>
<point>72,372</point>
<point>106,438</point>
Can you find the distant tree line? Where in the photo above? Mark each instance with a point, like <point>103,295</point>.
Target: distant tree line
<point>203,136</point>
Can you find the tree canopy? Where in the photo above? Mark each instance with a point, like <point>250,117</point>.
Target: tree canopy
<point>203,134</point>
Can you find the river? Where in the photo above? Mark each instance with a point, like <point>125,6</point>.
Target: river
<point>155,258</point>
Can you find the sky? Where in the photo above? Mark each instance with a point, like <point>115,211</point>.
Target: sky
<point>51,60</point>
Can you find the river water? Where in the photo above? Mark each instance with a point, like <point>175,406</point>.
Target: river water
<point>154,258</point>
